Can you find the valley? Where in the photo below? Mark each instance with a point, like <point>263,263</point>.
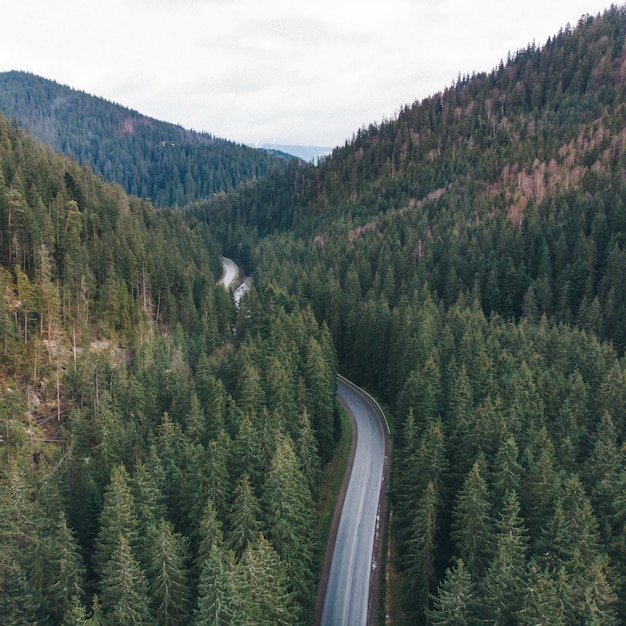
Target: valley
<point>464,262</point>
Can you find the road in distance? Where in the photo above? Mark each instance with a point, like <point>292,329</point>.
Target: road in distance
<point>230,272</point>
<point>347,593</point>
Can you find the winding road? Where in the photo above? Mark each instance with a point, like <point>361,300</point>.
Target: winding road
<point>356,544</point>
<point>347,597</point>
<point>230,272</point>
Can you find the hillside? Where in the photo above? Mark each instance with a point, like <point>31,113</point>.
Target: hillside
<point>150,465</point>
<point>469,260</point>
<point>509,183</point>
<point>161,451</point>
<point>149,158</point>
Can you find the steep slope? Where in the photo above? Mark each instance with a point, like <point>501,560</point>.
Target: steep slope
<point>469,258</point>
<point>149,158</point>
<point>148,455</point>
<point>538,143</point>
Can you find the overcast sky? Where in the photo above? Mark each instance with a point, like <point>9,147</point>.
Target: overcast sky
<point>273,71</point>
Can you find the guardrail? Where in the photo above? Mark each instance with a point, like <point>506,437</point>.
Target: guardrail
<point>371,399</point>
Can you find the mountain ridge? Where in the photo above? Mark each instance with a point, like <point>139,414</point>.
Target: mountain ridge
<point>152,159</point>
<point>310,154</point>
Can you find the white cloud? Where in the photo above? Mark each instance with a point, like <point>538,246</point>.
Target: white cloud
<point>272,71</point>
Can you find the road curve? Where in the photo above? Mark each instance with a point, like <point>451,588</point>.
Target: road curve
<point>357,543</point>
<point>230,272</point>
<point>347,596</point>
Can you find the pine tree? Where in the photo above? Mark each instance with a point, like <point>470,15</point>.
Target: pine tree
<point>425,463</point>
<point>262,584</point>
<point>124,589</point>
<point>320,382</point>
<point>218,600</point>
<point>76,615</point>
<point>246,451</point>
<point>174,452</point>
<point>602,469</point>
<point>244,517</point>
<point>288,509</point>
<point>195,422</point>
<point>507,471</point>
<point>18,520</point>
<point>65,571</point>
<point>20,603</point>
<point>571,543</point>
<point>540,485</point>
<point>542,604</point>
<point>118,518</point>
<point>473,527</point>
<point>148,499</point>
<point>208,534</point>
<point>460,401</point>
<point>452,606</point>
<point>216,474</point>
<point>307,452</point>
<point>419,573</point>
<point>212,397</point>
<point>600,601</point>
<point>506,578</point>
<point>167,575</point>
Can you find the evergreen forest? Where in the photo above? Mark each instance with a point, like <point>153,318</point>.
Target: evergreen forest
<point>161,449</point>
<point>154,160</point>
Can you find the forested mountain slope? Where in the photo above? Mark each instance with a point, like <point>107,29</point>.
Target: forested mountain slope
<point>509,182</point>
<point>154,466</point>
<point>150,159</point>
<point>469,258</point>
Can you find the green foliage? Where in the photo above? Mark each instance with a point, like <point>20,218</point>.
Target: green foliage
<point>452,605</point>
<point>149,158</point>
<point>166,571</point>
<point>473,526</point>
<point>127,420</point>
<point>505,580</point>
<point>262,581</point>
<point>218,602</point>
<point>466,261</point>
<point>244,517</point>
<point>124,589</point>
<point>118,519</point>
<point>288,508</point>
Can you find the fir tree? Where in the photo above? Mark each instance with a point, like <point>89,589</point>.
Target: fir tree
<point>419,571</point>
<point>452,606</point>
<point>167,575</point>
<point>263,587</point>
<point>506,578</point>
<point>218,600</point>
<point>472,527</point>
<point>244,517</point>
<point>125,599</point>
<point>118,518</point>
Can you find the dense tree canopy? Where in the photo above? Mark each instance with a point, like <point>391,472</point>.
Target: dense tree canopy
<point>135,452</point>
<point>148,158</point>
<point>468,260</point>
<point>465,261</point>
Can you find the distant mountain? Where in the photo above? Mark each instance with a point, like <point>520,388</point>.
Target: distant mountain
<point>149,158</point>
<point>306,153</point>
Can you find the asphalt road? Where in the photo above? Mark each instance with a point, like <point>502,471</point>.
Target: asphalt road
<point>347,591</point>
<point>230,272</point>
<point>346,600</point>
